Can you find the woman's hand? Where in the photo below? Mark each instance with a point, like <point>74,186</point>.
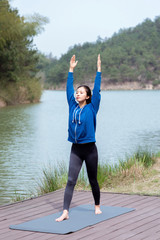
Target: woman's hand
<point>98,63</point>
<point>73,63</point>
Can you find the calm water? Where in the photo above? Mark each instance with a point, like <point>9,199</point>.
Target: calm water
<point>35,134</point>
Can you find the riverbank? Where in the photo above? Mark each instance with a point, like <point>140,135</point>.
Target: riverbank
<point>136,180</point>
<point>138,174</point>
<point>2,103</point>
<point>147,184</point>
<point>20,93</point>
<point>26,95</point>
<point>110,86</point>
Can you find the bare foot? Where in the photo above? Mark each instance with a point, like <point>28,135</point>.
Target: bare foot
<point>64,216</point>
<point>97,209</point>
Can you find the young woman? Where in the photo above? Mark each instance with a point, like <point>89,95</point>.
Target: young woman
<point>81,132</point>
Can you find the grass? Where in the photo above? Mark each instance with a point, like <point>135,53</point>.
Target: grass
<point>19,197</point>
<point>138,173</point>
<point>53,178</point>
<point>133,167</point>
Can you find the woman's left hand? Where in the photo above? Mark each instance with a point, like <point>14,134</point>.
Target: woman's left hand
<point>99,63</point>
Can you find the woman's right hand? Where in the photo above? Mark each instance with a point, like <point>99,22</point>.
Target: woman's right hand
<point>99,63</point>
<point>73,63</point>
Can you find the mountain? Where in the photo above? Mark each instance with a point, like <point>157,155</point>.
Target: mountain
<point>131,56</point>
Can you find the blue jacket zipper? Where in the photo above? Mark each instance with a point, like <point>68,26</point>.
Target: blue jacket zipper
<point>75,126</point>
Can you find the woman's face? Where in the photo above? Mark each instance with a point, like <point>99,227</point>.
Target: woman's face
<point>81,94</point>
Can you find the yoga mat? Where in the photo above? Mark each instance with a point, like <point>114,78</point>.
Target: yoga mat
<point>79,217</point>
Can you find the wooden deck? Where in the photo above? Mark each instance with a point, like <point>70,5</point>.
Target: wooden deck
<point>143,223</point>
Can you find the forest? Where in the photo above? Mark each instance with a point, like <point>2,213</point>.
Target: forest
<point>130,55</point>
<point>18,56</point>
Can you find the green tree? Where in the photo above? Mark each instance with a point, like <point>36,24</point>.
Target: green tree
<point>18,57</point>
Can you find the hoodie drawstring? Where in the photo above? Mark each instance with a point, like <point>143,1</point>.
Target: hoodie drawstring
<point>80,115</point>
<point>74,115</point>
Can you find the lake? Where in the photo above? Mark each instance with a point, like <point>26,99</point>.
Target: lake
<point>32,135</point>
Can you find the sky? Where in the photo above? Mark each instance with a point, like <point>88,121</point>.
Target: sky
<point>77,21</point>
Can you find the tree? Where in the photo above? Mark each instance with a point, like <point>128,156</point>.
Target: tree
<point>18,58</point>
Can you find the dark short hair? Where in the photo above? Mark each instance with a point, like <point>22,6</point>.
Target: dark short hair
<point>88,91</point>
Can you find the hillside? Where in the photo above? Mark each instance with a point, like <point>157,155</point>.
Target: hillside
<point>130,59</point>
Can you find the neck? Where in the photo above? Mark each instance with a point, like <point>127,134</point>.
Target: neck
<point>82,104</point>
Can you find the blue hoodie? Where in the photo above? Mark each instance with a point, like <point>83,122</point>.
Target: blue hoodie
<point>82,121</point>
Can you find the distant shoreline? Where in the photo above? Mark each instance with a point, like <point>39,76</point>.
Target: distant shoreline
<point>110,86</point>
<point>104,87</point>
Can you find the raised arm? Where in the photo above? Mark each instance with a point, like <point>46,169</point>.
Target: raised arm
<point>96,97</point>
<point>69,87</point>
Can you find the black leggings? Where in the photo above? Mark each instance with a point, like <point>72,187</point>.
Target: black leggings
<point>80,152</point>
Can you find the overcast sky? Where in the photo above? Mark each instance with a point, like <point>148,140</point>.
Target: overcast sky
<point>79,21</point>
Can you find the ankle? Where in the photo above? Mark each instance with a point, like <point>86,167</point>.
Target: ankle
<point>97,206</point>
<point>65,211</point>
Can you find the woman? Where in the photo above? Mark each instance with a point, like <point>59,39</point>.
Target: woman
<point>81,132</point>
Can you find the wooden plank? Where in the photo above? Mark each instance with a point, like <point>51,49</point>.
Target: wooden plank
<point>107,234</point>
<point>33,214</point>
<point>25,206</point>
<point>142,222</point>
<point>45,207</point>
<point>30,203</point>
<point>148,233</point>
<point>36,199</point>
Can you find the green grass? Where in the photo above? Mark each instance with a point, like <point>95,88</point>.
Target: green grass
<point>127,170</point>
<point>157,155</point>
<point>19,197</point>
<point>53,178</point>
<point>145,157</point>
<point>131,167</point>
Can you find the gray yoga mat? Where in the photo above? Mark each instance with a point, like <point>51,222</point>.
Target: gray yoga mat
<point>79,217</point>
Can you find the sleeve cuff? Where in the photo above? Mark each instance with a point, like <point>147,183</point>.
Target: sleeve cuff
<point>70,73</point>
<point>99,73</point>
